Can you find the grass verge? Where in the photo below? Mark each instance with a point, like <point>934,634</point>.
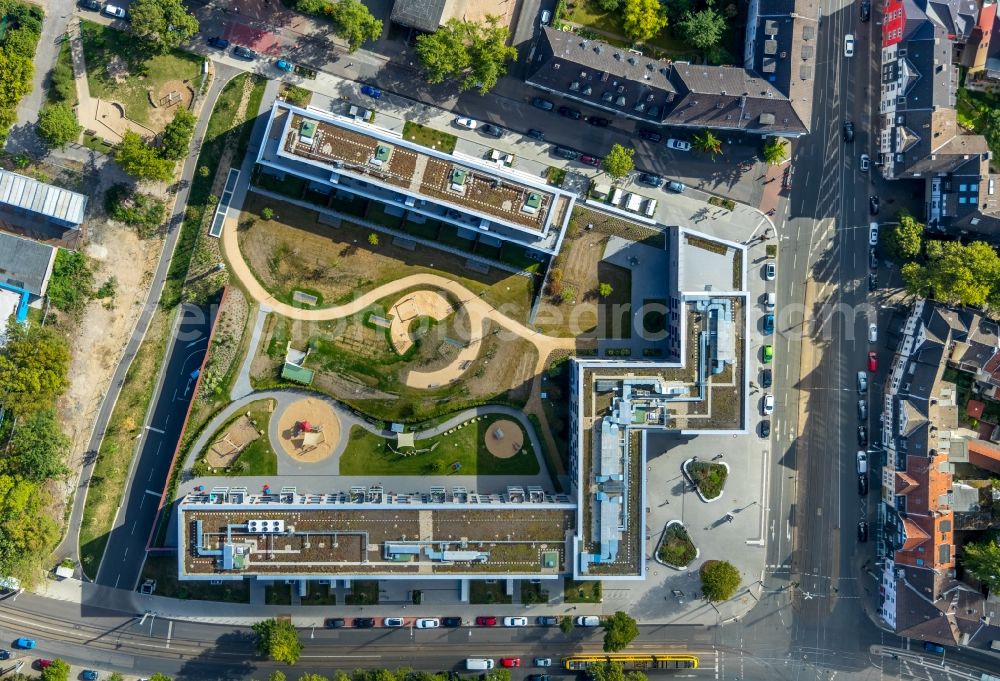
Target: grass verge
<point>429,137</point>
<point>488,593</point>
<point>163,570</point>
<point>582,592</point>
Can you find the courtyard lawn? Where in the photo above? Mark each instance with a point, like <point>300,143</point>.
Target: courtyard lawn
<point>257,458</point>
<point>429,137</point>
<point>362,593</point>
<point>488,593</point>
<point>588,13</point>
<point>582,592</point>
<point>145,73</point>
<point>369,454</point>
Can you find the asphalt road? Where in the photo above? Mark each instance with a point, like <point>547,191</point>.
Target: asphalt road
<point>125,551</point>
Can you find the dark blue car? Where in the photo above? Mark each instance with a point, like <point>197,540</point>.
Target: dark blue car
<point>371,91</point>
<point>218,43</point>
<point>933,648</point>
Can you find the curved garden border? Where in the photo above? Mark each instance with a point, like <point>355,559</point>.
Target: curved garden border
<point>656,554</point>
<point>687,476</point>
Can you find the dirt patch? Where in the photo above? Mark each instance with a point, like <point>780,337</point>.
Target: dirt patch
<point>417,304</point>
<point>504,439</point>
<point>309,430</point>
<point>236,438</point>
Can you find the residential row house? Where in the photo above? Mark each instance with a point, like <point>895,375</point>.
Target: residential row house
<point>935,479</point>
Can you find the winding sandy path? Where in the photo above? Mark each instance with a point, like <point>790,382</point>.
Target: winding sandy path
<point>477,309</point>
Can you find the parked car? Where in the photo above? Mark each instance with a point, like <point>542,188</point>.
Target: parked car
<point>285,66</point>
<point>94,5</point>
<point>765,429</point>
<point>43,663</point>
<point>873,204</point>
<point>371,91</point>
<point>873,230</point>
<point>865,163</point>
<point>933,648</point>
<point>547,621</point>
<point>492,130</point>
<point>428,623</point>
<point>393,622</point>
<point>486,621</point>
<point>510,662</point>
<point>543,662</point>
<point>679,145</point>
<point>114,11</point>
<point>536,134</point>
<point>862,531</point>
<point>4,654</point>
<point>770,271</point>
<point>872,362</point>
<point>334,623</point>
<point>89,675</point>
<point>650,179</point>
<point>218,43</point>
<point>538,677</point>
<point>515,621</point>
<point>768,324</point>
<point>543,104</point>
<point>863,485</point>
<point>862,457</point>
<point>848,131</point>
<point>768,406</point>
<point>465,122</point>
<point>675,186</point>
<point>570,113</point>
<point>862,410</point>
<point>873,258</point>
<point>591,160</point>
<point>862,436</point>
<point>862,383</point>
<point>866,10</point>
<point>872,333</point>
<point>849,45</point>
<point>765,378</point>
<point>546,16</point>
<point>25,643</point>
<point>566,153</point>
<point>872,281</point>
<point>363,622</point>
<point>768,354</point>
<point>244,53</point>
<point>588,621</point>
<point>650,135</point>
<point>451,622</point>
<point>598,122</point>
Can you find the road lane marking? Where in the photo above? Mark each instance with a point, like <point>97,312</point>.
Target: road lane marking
<point>155,494</point>
<point>155,430</point>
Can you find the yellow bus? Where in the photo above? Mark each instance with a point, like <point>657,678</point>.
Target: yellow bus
<point>630,661</point>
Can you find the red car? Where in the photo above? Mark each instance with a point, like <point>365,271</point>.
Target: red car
<point>872,362</point>
<point>590,160</point>
<point>486,621</point>
<point>510,661</point>
<point>43,663</point>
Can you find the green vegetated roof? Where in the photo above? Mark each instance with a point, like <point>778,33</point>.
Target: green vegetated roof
<point>298,374</point>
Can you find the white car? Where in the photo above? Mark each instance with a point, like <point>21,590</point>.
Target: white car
<point>873,234</point>
<point>865,163</point>
<point>393,622</point>
<point>769,271</point>
<point>469,123</point>
<point>428,623</point>
<point>114,11</point>
<point>546,15</point>
<point>862,383</point>
<point>515,621</point>
<point>679,145</point>
<point>849,45</point>
<point>872,333</point>
<point>588,621</point>
<point>862,463</point>
<point>768,405</point>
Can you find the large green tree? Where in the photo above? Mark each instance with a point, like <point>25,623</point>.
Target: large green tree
<point>37,448</point>
<point>719,580</point>
<point>905,239</point>
<point>142,161</point>
<point>469,54</point>
<point>707,143</point>
<point>161,25</point>
<point>613,671</point>
<point>990,126</point>
<point>618,162</point>
<point>643,19</point>
<point>177,135</point>
<point>982,559</point>
<point>619,631</point>
<point>703,29</point>
<point>57,125</point>
<point>278,640</point>
<point>33,368</point>
<point>354,23</point>
<point>955,273</point>
<point>72,281</point>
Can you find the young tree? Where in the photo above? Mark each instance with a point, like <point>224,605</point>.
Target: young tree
<point>604,289</point>
<point>159,677</point>
<point>774,151</point>
<point>276,675</point>
<point>643,19</point>
<point>905,239</point>
<point>72,281</point>
<point>140,160</point>
<point>373,239</point>
<point>267,213</point>
<point>33,368</point>
<point>618,163</point>
<point>278,640</point>
<point>707,143</point>
<point>497,675</point>
<point>161,25</point>
<point>473,55</point>
<point>57,125</point>
<point>57,671</point>
<point>719,580</point>
<point>619,631</point>
<point>37,448</point>
<point>609,5</point>
<point>983,561</point>
<point>177,135</point>
<point>354,23</point>
<point>703,29</point>
<point>116,676</point>
<point>566,624</point>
